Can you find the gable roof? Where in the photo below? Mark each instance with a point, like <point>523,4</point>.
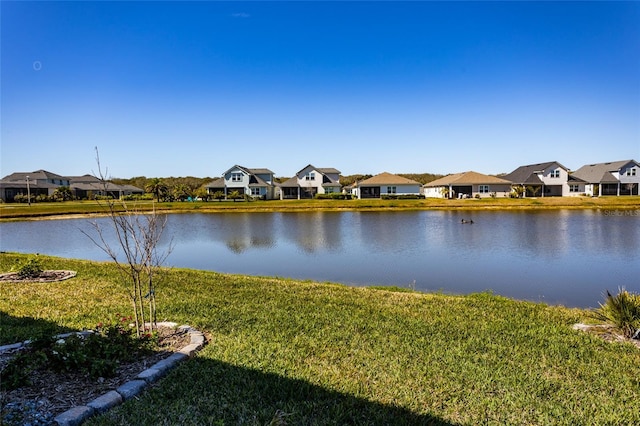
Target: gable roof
<point>37,175</point>
<point>467,178</point>
<point>528,173</point>
<point>323,170</point>
<point>601,172</point>
<point>249,171</point>
<point>386,178</point>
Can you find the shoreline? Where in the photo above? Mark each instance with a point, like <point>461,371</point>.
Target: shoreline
<point>73,210</point>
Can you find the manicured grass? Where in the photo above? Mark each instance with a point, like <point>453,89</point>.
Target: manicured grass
<point>37,210</point>
<point>310,353</point>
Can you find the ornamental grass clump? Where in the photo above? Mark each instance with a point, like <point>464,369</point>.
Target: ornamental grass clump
<point>621,310</point>
<point>30,267</point>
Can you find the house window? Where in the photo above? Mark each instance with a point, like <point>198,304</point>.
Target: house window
<point>391,189</point>
<point>236,177</point>
<point>483,189</point>
<point>310,176</point>
<point>255,191</point>
<point>631,172</point>
<point>574,188</point>
<point>555,173</point>
<point>329,190</point>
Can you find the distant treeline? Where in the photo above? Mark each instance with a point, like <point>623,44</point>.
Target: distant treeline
<point>194,185</point>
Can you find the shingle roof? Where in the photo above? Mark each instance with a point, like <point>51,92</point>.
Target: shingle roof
<point>601,172</point>
<point>387,179</point>
<point>37,175</point>
<point>323,170</point>
<point>218,183</point>
<point>291,182</point>
<point>527,174</point>
<point>467,178</point>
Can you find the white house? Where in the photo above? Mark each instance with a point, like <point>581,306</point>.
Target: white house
<point>544,180</point>
<point>467,185</point>
<point>253,182</point>
<point>613,178</point>
<point>385,184</point>
<point>310,181</point>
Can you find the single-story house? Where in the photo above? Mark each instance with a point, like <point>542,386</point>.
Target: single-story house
<point>543,179</point>
<point>613,178</point>
<point>385,184</point>
<point>245,181</point>
<point>88,186</point>
<point>310,181</point>
<point>467,185</point>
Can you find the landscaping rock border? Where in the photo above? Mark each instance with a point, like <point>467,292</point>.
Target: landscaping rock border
<point>77,415</point>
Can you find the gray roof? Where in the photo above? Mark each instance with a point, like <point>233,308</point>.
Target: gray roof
<point>291,182</point>
<point>528,173</point>
<point>260,171</point>
<point>249,171</point>
<point>84,179</point>
<point>37,175</point>
<point>218,183</point>
<point>601,172</point>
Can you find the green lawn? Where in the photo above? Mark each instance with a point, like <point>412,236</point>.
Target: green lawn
<point>22,211</point>
<point>285,351</point>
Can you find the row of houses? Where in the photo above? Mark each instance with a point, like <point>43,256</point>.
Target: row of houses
<point>44,183</point>
<point>550,179</point>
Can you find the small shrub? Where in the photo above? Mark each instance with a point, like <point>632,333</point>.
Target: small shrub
<point>331,196</point>
<point>98,354</point>
<point>621,310</point>
<point>31,267</point>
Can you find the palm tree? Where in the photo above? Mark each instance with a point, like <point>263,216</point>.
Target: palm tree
<point>63,193</point>
<point>156,186</point>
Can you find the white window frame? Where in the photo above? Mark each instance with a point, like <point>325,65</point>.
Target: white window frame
<point>236,177</point>
<point>483,189</point>
<point>631,171</point>
<point>391,190</point>
<point>555,173</point>
<point>255,192</point>
<point>310,176</point>
<point>574,187</point>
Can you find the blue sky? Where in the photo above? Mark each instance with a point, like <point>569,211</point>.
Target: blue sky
<point>177,89</point>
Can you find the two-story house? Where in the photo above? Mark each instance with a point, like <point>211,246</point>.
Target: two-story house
<point>310,181</point>
<point>613,178</point>
<point>244,181</point>
<point>40,182</point>
<point>545,180</point>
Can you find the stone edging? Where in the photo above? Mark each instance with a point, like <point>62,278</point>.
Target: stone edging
<point>77,415</point>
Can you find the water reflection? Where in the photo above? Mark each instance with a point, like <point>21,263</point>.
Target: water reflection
<point>313,231</point>
<point>567,257</point>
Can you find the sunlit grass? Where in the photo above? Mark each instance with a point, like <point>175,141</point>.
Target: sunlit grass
<point>310,353</point>
<point>38,210</point>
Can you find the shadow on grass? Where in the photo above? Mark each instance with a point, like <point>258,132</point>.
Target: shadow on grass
<point>209,392</point>
<point>18,329</point>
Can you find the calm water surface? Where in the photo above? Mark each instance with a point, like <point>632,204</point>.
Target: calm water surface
<point>557,257</point>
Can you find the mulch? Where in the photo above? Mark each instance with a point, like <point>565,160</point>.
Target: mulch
<point>55,393</point>
<point>44,277</point>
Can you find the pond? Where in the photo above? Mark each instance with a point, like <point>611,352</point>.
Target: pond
<point>558,257</point>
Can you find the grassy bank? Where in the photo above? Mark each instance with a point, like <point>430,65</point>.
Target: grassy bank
<point>39,210</point>
<point>309,353</point>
